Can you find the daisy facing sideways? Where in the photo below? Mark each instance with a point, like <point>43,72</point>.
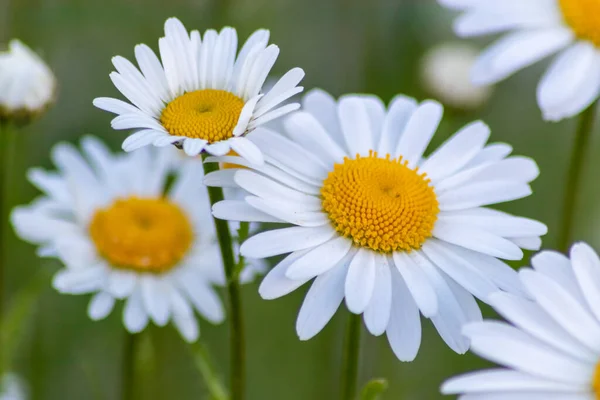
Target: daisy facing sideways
<point>121,236</point>
<point>537,29</point>
<point>551,346</point>
<point>378,224</point>
<point>204,96</point>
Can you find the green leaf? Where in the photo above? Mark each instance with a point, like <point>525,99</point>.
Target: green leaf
<point>373,389</point>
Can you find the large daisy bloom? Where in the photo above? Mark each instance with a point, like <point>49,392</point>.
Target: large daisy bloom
<point>204,95</point>
<point>27,85</point>
<point>539,28</point>
<point>551,346</point>
<point>378,224</point>
<point>120,236</point>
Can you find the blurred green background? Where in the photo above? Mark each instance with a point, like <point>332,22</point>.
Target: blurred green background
<point>344,46</point>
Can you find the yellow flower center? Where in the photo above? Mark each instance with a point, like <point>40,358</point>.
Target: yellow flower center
<point>596,382</point>
<point>149,235</point>
<point>583,16</point>
<point>380,203</point>
<point>207,114</point>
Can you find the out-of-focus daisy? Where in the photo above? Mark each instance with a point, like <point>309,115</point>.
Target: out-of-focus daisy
<point>539,28</point>
<point>27,85</point>
<point>445,73</point>
<point>204,96</point>
<point>120,236</point>
<point>377,223</point>
<point>12,388</point>
<point>552,348</point>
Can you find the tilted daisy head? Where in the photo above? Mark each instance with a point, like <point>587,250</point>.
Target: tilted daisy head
<point>122,235</point>
<point>27,85</point>
<point>538,29</point>
<point>376,222</point>
<point>551,346</point>
<point>204,96</point>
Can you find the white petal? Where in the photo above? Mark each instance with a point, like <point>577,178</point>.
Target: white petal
<point>377,313</point>
<point>421,289</point>
<point>356,128</point>
<point>586,266</point>
<point>282,210</point>
<point>239,210</point>
<point>482,194</point>
<point>100,306</point>
<point>248,150</point>
<point>203,297</point>
<point>280,241</point>
<point>78,281</point>
<point>508,346</point>
<point>193,147</point>
<point>134,315</point>
<point>418,132</point>
<point>400,110</point>
<point>516,51</point>
<point>404,327</point>
<point>155,294</point>
<point>322,301</point>
<point>276,284</point>
<point>319,260</point>
<point>323,107</point>
<point>360,281</point>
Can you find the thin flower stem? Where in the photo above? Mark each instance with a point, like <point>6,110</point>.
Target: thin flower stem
<point>128,372</point>
<point>351,358</point>
<point>7,144</point>
<point>572,187</point>
<point>236,322</point>
<point>207,369</point>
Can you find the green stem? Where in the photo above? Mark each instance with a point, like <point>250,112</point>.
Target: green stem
<point>7,144</point>
<point>206,368</point>
<point>236,322</point>
<point>351,358</point>
<point>128,372</point>
<point>578,161</point>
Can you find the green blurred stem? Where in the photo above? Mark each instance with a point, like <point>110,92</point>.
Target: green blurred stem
<point>236,322</point>
<point>572,187</point>
<point>351,358</point>
<point>206,368</point>
<point>7,144</point>
<point>128,372</point>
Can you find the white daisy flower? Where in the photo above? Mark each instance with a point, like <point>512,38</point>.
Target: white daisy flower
<point>120,236</point>
<point>204,95</point>
<point>445,73</point>
<point>12,388</point>
<point>551,348</point>
<point>376,222</point>
<point>27,85</point>
<point>539,28</point>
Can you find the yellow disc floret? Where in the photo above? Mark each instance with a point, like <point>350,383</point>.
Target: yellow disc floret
<point>207,114</point>
<point>142,234</point>
<point>380,203</point>
<point>596,382</point>
<point>583,16</point>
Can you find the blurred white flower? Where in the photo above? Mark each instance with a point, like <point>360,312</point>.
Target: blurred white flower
<point>120,236</point>
<point>445,73</point>
<point>12,388</point>
<point>205,96</point>
<point>551,348</point>
<point>376,223</point>
<point>538,29</point>
<point>27,85</point>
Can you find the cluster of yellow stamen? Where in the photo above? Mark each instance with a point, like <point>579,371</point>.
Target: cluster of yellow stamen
<point>583,16</point>
<point>207,114</point>
<point>150,235</point>
<point>380,203</point>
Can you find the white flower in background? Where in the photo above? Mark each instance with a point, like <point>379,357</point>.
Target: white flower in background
<point>376,222</point>
<point>27,85</point>
<point>539,28</point>
<point>552,348</point>
<point>12,388</point>
<point>204,95</point>
<point>445,73</point>
<point>120,236</point>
